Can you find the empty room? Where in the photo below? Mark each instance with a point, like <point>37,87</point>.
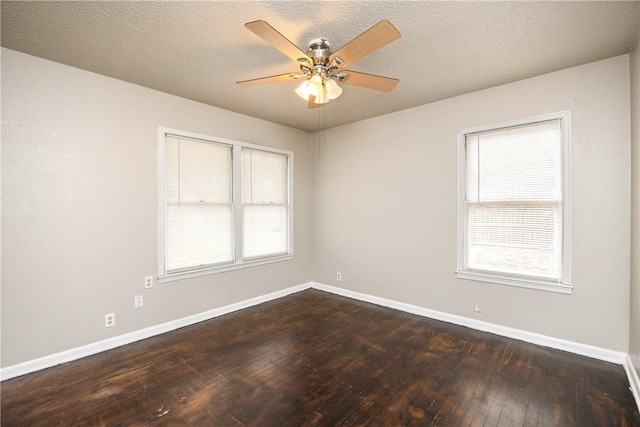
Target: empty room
<point>288,213</point>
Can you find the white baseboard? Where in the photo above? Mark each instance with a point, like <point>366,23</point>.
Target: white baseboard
<point>619,358</point>
<point>110,343</point>
<point>634,381</point>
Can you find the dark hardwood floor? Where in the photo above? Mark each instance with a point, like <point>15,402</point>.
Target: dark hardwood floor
<point>314,358</point>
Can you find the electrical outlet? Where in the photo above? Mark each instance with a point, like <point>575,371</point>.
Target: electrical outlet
<point>338,276</point>
<point>477,307</point>
<point>109,320</point>
<point>137,301</point>
<point>148,282</point>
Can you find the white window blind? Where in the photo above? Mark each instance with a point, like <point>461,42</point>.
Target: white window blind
<point>512,207</point>
<point>265,201</point>
<point>198,180</point>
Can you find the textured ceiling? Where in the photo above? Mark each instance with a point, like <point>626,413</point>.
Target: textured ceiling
<point>198,50</point>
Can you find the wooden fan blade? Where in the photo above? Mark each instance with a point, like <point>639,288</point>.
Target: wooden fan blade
<point>269,34</point>
<point>374,38</point>
<point>370,81</point>
<point>312,103</point>
<point>270,79</point>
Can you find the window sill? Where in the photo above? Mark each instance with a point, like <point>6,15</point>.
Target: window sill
<point>171,277</point>
<point>519,282</point>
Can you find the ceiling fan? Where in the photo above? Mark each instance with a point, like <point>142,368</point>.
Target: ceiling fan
<point>320,68</point>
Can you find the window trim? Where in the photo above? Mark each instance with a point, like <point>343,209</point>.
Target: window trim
<point>562,286</point>
<point>238,263</point>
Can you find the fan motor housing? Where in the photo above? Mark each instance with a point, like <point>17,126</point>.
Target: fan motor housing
<point>319,50</point>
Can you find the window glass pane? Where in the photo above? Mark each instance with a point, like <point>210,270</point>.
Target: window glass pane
<point>264,177</point>
<point>265,230</point>
<point>514,238</point>
<point>198,235</point>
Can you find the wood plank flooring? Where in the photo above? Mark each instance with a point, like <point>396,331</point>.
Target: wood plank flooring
<point>316,359</point>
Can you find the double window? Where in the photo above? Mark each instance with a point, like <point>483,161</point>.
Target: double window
<point>223,204</point>
<point>513,203</point>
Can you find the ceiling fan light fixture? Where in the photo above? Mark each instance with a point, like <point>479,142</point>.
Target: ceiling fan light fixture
<point>322,92</point>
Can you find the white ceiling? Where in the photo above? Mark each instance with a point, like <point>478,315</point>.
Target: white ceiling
<point>198,50</point>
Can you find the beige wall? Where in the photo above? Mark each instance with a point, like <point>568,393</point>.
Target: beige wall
<point>79,207</point>
<point>634,339</point>
<point>385,206</point>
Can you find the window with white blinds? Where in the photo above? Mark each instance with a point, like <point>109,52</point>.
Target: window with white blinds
<point>224,204</point>
<point>265,203</point>
<point>513,201</point>
<point>199,204</point>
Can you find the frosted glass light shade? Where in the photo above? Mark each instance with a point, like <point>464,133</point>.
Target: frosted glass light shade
<point>303,90</point>
<point>317,89</point>
<point>333,90</point>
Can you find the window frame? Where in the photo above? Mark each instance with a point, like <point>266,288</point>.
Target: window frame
<point>237,206</point>
<point>563,285</point>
